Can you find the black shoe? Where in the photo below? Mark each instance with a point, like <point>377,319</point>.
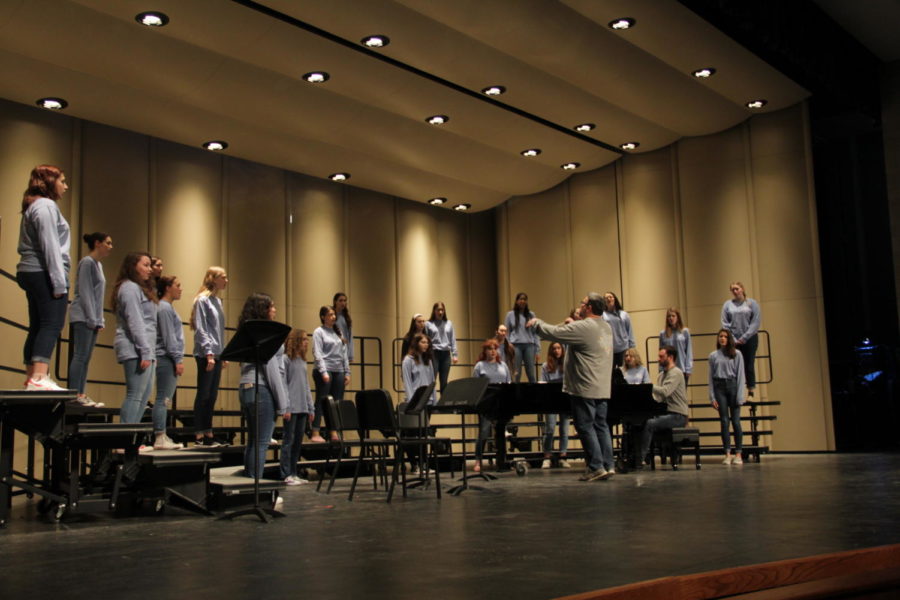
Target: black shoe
<point>211,442</point>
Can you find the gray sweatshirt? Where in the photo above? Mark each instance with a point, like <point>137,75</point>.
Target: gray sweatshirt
<point>297,383</point>
<point>681,341</point>
<point>442,336</point>
<point>90,286</point>
<point>722,367</point>
<point>330,352</point>
<point>135,324</point>
<point>519,334</point>
<point>415,375</point>
<point>741,319</point>
<point>347,332</point>
<point>209,326</point>
<point>670,389</point>
<point>496,372</point>
<point>620,323</point>
<point>44,243</point>
<point>170,335</point>
<point>587,370</point>
<point>272,375</point>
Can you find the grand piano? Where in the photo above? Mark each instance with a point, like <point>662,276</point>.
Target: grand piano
<point>629,406</point>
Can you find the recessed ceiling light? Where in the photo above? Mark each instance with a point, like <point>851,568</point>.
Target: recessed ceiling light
<point>317,77</point>
<point>704,73</point>
<point>757,103</point>
<point>530,152</point>
<point>52,103</point>
<point>623,23</point>
<point>437,119</point>
<point>339,177</point>
<point>215,145</point>
<point>437,201</point>
<point>493,90</point>
<point>629,145</point>
<point>462,207</point>
<point>584,127</point>
<point>152,19</point>
<point>570,166</point>
<point>375,41</point>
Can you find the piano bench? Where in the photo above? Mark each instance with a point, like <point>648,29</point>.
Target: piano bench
<point>670,442</point>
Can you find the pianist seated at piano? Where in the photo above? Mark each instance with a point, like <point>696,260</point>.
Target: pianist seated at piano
<point>553,371</point>
<point>489,365</point>
<point>634,370</point>
<point>671,390</point>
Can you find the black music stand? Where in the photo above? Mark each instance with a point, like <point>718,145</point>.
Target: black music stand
<point>256,341</point>
<point>463,396</point>
<point>417,406</point>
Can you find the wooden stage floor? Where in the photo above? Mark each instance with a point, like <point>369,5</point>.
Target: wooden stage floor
<point>540,536</point>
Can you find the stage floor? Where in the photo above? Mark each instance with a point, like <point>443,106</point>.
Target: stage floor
<point>540,536</point>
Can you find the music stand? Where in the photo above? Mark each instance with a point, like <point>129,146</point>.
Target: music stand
<point>463,396</point>
<point>417,406</point>
<point>256,341</point>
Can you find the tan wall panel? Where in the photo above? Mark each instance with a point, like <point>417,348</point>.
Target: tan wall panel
<point>715,218</point>
<point>538,259</point>
<point>595,236</point>
<point>481,302</point>
<point>417,232</point>
<point>316,246</point>
<point>648,224</point>
<point>372,290</point>
<point>188,215</point>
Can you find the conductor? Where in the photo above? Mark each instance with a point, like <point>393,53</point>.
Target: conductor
<point>587,379</point>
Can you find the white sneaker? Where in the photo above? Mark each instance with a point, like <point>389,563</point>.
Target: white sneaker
<point>737,460</point>
<point>727,460</point>
<point>164,442</point>
<point>279,502</point>
<point>93,403</point>
<point>564,463</point>
<point>43,384</point>
<point>300,480</point>
<point>546,464</point>
<point>291,480</point>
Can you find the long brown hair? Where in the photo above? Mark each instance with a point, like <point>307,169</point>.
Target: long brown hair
<point>679,324</point>
<point>553,365</point>
<point>128,272</point>
<point>728,349</point>
<point>41,184</point>
<point>491,343</point>
<point>420,357</point>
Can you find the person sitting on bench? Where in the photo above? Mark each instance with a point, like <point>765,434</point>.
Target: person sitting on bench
<point>669,388</point>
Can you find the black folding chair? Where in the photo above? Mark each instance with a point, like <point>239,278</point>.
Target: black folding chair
<point>376,413</point>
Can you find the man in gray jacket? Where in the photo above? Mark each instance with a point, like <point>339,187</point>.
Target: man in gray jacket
<point>587,378</point>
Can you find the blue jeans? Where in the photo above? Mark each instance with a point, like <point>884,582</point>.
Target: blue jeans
<point>46,316</point>
<point>524,355</point>
<point>266,426</point>
<point>137,383</point>
<point>83,340</point>
<point>441,362</point>
<point>748,350</point>
<point>484,434</point>
<point>725,393</point>
<point>549,425</point>
<point>590,422</point>
<point>166,382</point>
<point>660,423</point>
<point>207,392</point>
<point>334,388</point>
<point>290,444</point>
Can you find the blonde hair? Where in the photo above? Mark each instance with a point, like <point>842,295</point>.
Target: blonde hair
<point>207,289</point>
<point>293,345</point>
<point>636,355</point>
